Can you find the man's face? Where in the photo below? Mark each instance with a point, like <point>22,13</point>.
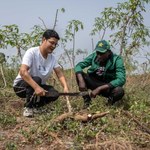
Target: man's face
<point>102,57</point>
<point>50,44</point>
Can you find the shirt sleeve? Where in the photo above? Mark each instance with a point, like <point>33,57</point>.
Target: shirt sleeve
<point>120,73</point>
<point>83,64</point>
<point>56,65</point>
<point>27,58</point>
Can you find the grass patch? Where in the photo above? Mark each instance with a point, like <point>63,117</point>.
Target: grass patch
<point>116,128</point>
<point>7,120</point>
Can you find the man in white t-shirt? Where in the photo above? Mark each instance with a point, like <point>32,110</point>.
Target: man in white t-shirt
<point>37,66</point>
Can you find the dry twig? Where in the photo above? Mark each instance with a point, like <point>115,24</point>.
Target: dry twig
<point>97,136</point>
<point>54,135</point>
<point>129,115</point>
<point>111,145</point>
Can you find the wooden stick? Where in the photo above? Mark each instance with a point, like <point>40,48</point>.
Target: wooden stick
<point>68,104</point>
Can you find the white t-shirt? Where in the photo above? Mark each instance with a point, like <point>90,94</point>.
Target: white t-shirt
<point>38,65</point>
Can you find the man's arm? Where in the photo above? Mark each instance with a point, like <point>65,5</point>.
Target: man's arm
<point>81,82</point>
<point>85,63</point>
<point>61,78</point>
<point>79,70</point>
<point>98,90</point>
<point>26,77</point>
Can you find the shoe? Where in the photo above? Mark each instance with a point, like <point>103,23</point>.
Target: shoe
<point>87,102</point>
<point>28,112</point>
<point>39,110</point>
<point>36,111</point>
<point>110,101</point>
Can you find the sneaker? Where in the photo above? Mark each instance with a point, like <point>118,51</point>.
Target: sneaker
<point>28,112</point>
<point>35,110</point>
<point>39,110</point>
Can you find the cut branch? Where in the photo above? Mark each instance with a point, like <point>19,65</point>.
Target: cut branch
<point>43,22</point>
<point>78,117</point>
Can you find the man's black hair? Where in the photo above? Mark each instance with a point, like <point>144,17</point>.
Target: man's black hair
<point>50,33</point>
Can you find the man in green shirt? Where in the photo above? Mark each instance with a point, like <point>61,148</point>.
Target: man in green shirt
<point>105,74</point>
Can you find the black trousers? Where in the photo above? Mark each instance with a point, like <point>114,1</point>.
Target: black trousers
<point>113,93</point>
<point>24,90</point>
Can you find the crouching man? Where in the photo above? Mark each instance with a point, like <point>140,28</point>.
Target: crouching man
<point>105,74</point>
<point>37,65</point>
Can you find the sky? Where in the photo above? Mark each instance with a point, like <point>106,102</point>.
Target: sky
<point>26,13</point>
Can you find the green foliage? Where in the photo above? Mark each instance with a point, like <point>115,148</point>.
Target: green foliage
<point>70,36</point>
<point>127,25</point>
<point>10,36</point>
<point>11,146</point>
<point>7,120</point>
<point>62,10</point>
<point>2,58</point>
<point>36,35</point>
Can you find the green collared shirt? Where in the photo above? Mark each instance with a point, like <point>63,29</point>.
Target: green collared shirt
<point>114,72</point>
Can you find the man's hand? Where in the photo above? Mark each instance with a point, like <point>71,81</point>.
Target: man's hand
<point>40,91</point>
<point>95,92</point>
<point>27,77</point>
<point>98,90</point>
<point>66,90</point>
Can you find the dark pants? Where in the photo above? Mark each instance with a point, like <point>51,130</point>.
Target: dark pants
<point>24,90</point>
<point>92,83</point>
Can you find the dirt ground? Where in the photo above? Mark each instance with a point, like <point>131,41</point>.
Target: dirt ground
<point>11,137</point>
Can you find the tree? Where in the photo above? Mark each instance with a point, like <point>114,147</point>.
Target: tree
<point>2,61</point>
<point>70,36</point>
<point>127,22</point>
<point>10,36</point>
<point>2,58</point>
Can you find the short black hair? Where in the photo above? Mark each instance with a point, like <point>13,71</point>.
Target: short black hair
<point>50,33</point>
